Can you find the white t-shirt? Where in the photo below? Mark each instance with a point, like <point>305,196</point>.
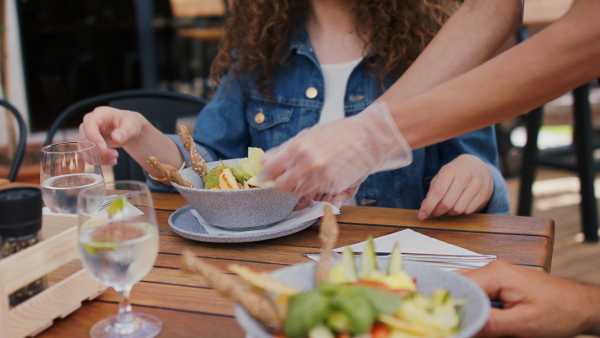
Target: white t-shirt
<point>336,77</point>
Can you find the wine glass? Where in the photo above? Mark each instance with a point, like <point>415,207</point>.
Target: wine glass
<point>118,244</point>
<point>66,169</point>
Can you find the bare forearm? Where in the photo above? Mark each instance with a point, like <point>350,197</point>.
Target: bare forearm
<point>591,293</point>
<point>472,35</point>
<point>154,143</point>
<point>552,62</point>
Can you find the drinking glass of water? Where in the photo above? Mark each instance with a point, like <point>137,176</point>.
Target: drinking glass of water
<point>118,245</point>
<point>66,169</point>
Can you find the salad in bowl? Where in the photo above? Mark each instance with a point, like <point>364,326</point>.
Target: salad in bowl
<point>367,297</point>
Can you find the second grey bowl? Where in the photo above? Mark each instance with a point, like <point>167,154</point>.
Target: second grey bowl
<point>239,209</point>
<point>476,308</point>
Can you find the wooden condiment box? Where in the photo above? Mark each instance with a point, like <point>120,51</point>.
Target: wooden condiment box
<point>56,257</point>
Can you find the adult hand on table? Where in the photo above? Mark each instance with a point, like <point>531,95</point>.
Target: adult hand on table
<point>536,304</point>
<point>330,158</point>
<point>109,128</point>
<point>462,186</point>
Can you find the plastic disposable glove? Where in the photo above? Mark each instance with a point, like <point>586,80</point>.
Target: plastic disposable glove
<point>336,200</point>
<point>333,157</point>
<point>463,186</point>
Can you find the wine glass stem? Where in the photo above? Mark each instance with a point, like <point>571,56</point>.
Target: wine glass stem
<point>124,316</point>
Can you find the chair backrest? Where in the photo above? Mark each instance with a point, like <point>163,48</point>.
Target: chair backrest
<point>198,8</point>
<point>161,108</point>
<point>18,158</point>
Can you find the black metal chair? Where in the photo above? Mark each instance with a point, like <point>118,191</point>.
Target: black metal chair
<point>161,108</point>
<point>18,158</point>
<point>583,164</point>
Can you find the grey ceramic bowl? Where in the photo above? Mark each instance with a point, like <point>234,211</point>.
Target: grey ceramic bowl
<point>476,309</point>
<point>240,209</point>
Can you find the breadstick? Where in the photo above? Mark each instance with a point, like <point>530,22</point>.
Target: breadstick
<point>169,172</point>
<point>259,306</point>
<point>328,235</point>
<point>198,162</point>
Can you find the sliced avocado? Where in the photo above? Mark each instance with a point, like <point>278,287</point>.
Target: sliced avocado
<point>349,265</point>
<point>395,263</point>
<point>320,331</point>
<point>359,311</point>
<point>212,178</point>
<point>368,262</point>
<point>441,296</point>
<point>338,321</point>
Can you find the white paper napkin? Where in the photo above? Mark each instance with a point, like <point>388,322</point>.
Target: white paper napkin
<point>313,211</point>
<point>411,241</point>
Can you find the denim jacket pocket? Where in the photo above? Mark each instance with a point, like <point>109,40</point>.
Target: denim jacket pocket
<point>269,123</point>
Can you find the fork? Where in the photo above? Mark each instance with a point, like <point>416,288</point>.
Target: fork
<point>411,256</point>
<point>337,257</point>
<point>438,257</point>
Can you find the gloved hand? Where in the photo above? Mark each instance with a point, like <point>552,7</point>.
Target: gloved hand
<point>336,200</point>
<point>332,157</point>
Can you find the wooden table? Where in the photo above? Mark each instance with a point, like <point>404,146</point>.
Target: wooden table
<point>189,308</point>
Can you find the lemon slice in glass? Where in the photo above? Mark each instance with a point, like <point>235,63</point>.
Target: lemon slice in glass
<point>93,247</point>
<point>117,205</point>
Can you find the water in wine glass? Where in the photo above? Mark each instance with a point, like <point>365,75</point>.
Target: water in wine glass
<point>118,245</point>
<point>119,254</point>
<point>60,192</point>
<point>66,169</point>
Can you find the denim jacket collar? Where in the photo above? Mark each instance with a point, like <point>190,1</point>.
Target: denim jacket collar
<point>300,44</point>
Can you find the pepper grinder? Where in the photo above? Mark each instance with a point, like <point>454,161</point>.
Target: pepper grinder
<point>20,225</point>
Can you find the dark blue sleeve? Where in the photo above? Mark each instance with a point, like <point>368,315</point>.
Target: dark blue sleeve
<point>221,128</point>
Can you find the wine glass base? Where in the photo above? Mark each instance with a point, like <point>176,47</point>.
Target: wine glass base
<point>142,326</point>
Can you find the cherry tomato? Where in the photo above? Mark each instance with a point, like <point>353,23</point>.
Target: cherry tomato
<point>379,331</point>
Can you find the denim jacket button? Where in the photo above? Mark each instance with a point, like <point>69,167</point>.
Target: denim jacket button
<point>260,117</point>
<point>311,92</point>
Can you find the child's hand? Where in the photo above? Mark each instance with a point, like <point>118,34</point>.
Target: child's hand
<point>109,128</point>
<point>462,186</point>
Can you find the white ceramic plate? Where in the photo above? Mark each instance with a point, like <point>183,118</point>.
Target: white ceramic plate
<point>476,310</point>
<point>185,225</point>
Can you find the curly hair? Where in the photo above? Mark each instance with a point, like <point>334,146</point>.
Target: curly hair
<point>258,32</point>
